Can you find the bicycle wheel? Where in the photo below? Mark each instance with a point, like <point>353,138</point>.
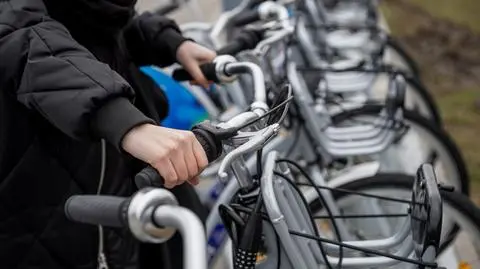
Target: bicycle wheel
<point>422,101</point>
<point>461,218</point>
<point>417,99</point>
<point>438,147</point>
<point>405,59</point>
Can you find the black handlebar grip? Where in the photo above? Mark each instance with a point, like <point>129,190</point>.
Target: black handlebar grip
<point>255,2</point>
<point>149,177</point>
<point>246,17</point>
<point>110,211</point>
<point>232,48</point>
<point>210,145</point>
<point>207,69</point>
<point>245,40</point>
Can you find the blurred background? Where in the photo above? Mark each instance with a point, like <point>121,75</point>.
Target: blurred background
<point>443,36</point>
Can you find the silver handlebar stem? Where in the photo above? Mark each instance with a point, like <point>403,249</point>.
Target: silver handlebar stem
<point>260,105</point>
<point>154,215</point>
<point>263,45</point>
<point>193,233</point>
<point>253,144</point>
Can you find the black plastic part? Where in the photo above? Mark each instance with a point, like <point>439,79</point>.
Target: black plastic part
<point>109,211</point>
<point>245,40</point>
<point>207,69</point>
<point>446,188</point>
<point>396,96</point>
<point>247,17</point>
<point>249,242</point>
<point>149,177</point>
<point>426,212</point>
<point>210,137</point>
<point>232,221</point>
<point>210,144</point>
<point>244,259</point>
<point>254,3</point>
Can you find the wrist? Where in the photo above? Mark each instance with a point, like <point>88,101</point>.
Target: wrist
<point>132,138</point>
<point>115,119</point>
<point>175,40</point>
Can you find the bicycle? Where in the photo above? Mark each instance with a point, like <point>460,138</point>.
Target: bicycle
<point>144,222</point>
<point>418,96</point>
<point>214,226</point>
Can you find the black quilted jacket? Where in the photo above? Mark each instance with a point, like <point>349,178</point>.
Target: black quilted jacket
<point>69,77</point>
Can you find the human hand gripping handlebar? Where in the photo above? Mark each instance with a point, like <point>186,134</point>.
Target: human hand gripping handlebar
<point>224,68</point>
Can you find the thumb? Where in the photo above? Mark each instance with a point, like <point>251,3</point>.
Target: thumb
<point>194,181</point>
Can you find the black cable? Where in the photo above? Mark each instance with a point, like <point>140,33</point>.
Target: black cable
<point>266,114</point>
<point>305,174</point>
<point>352,216</point>
<point>359,193</point>
<point>322,200</point>
<point>365,250</point>
<point>314,225</point>
<point>259,164</point>
<point>247,210</point>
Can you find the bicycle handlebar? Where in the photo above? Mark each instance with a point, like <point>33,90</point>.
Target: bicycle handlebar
<point>98,210</point>
<point>246,17</point>
<point>246,39</point>
<point>144,214</point>
<point>210,143</point>
<point>224,69</point>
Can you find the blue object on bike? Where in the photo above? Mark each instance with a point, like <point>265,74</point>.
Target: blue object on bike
<point>184,110</point>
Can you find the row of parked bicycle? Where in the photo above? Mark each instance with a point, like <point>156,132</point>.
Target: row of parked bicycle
<point>326,149</point>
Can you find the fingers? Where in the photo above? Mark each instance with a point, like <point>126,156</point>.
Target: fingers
<point>167,171</point>
<point>194,69</point>
<point>190,159</point>
<point>184,162</point>
<point>194,181</point>
<point>200,155</point>
<point>191,55</point>
<point>208,56</point>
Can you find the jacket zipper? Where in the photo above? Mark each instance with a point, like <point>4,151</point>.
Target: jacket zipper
<point>101,258</point>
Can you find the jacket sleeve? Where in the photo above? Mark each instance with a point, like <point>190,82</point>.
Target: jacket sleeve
<point>63,81</point>
<point>153,40</point>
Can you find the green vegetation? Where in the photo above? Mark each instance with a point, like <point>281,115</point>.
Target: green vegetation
<point>444,38</point>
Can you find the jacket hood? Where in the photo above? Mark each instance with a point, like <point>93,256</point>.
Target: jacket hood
<point>92,16</point>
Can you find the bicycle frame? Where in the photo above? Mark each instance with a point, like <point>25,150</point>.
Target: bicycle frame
<point>314,126</point>
<point>285,211</point>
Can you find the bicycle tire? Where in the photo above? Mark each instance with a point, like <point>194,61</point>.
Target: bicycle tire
<point>393,44</point>
<point>435,130</point>
<point>396,181</point>
<point>422,90</point>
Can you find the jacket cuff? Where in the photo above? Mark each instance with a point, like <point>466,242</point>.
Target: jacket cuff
<point>172,39</point>
<point>115,119</point>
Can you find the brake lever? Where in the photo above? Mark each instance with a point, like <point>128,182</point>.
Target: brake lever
<point>255,143</point>
<point>218,132</point>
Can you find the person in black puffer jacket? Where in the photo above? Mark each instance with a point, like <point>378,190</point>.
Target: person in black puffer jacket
<point>71,99</point>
